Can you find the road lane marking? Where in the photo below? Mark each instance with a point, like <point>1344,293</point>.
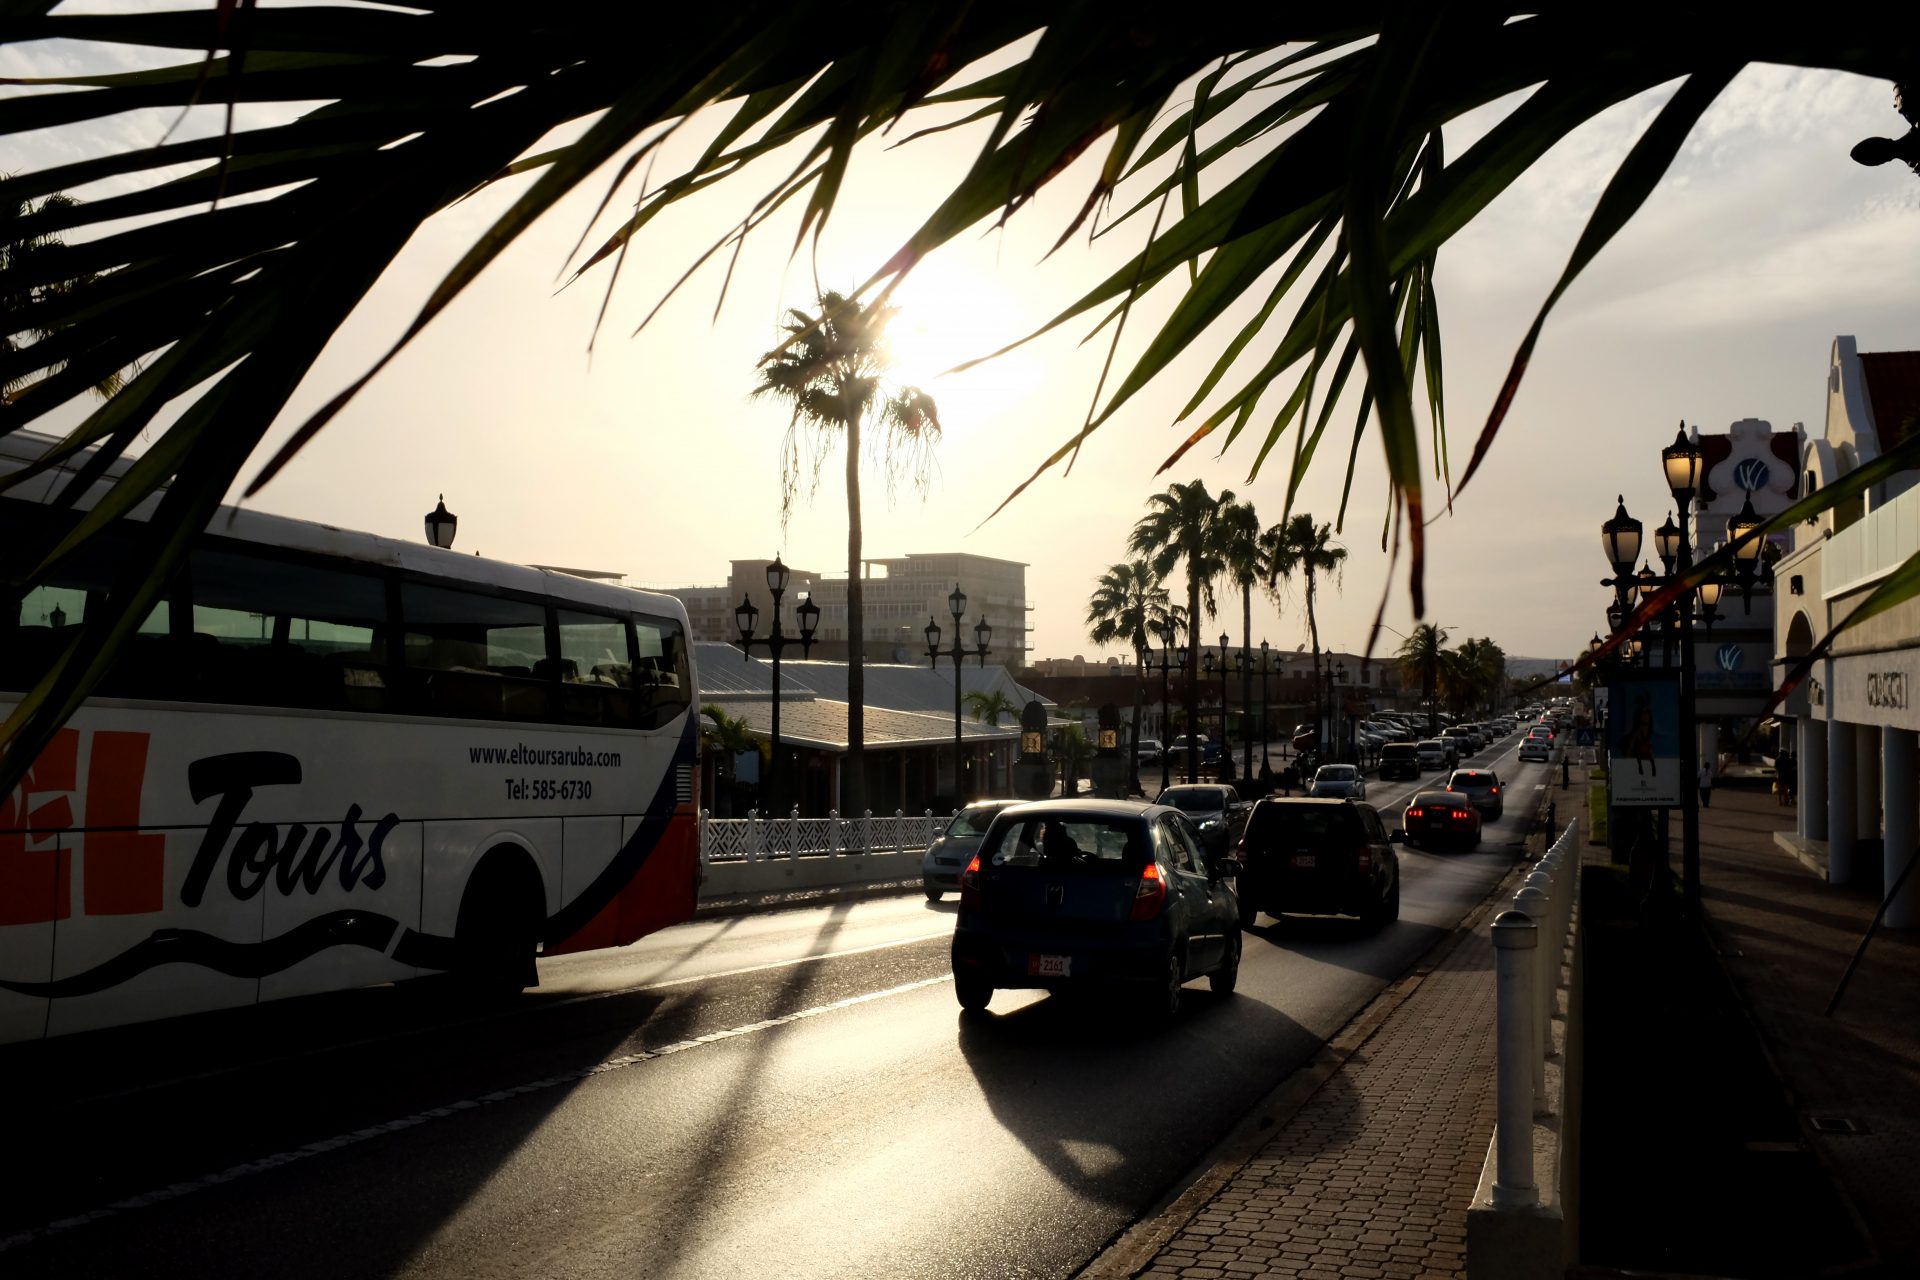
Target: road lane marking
<point>279,1159</point>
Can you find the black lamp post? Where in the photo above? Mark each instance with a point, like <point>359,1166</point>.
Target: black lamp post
<point>983,638</point>
<point>1226,744</point>
<point>1169,632</point>
<point>1266,705</point>
<point>1681,462</point>
<point>776,642</point>
<point>1243,663</point>
<point>441,524</point>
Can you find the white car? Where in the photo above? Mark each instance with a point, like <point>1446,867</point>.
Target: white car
<point>1536,749</point>
<point>1434,754</point>
<point>1147,751</point>
<point>1339,782</point>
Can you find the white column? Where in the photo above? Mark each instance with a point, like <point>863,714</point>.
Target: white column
<point>1866,780</point>
<point>1899,769</point>
<point>1810,751</point>
<point>1842,796</point>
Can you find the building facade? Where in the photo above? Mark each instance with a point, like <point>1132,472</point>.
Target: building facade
<point>902,595</point>
<point>1853,722</point>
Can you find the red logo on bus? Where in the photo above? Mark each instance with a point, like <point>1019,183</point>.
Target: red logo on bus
<point>124,867</point>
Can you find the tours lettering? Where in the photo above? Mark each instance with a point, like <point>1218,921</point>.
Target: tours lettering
<point>292,858</point>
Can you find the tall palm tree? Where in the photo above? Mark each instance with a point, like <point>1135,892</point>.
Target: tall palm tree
<point>33,276</point>
<point>1324,128</point>
<point>1246,567</point>
<point>1181,530</point>
<point>1301,547</point>
<point>1484,667</point>
<point>1130,605</point>
<point>1420,658</point>
<point>830,370</point>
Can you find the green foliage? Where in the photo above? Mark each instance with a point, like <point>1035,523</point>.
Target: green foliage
<point>987,706</point>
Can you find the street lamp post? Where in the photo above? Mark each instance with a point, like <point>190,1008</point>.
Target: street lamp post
<point>1169,632</point>
<point>1681,462</point>
<point>776,642</point>
<point>1266,706</point>
<point>983,637</point>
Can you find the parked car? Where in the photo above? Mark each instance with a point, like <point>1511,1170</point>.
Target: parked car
<point>1215,809</point>
<point>951,850</point>
<point>1399,760</point>
<point>1441,820</point>
<point>1068,895</point>
<point>1147,751</point>
<point>1435,753</point>
<point>1342,781</point>
<point>1536,749</point>
<point>1318,857</point>
<point>1482,786</point>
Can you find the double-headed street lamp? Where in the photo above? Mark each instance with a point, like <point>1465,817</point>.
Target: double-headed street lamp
<point>1266,705</point>
<point>776,642</point>
<point>1620,539</point>
<point>1169,632</point>
<point>1330,750</point>
<point>983,639</point>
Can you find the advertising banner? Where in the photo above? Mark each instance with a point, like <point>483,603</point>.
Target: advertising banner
<point>1643,739</point>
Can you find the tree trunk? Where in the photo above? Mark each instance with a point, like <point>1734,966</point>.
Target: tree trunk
<point>853,774</point>
<point>1193,674</point>
<point>1246,677</point>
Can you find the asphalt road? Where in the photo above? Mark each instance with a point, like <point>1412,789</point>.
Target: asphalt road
<point>792,1093</point>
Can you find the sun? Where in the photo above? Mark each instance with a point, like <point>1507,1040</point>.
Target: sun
<point>948,315</point>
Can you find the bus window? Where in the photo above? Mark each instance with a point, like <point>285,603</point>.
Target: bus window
<point>596,669</point>
<point>661,681</point>
<point>473,655</point>
<point>274,632</point>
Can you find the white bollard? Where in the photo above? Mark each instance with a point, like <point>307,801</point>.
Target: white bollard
<point>1515,941</point>
<point>1533,903</point>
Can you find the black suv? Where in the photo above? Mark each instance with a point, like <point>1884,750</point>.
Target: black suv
<point>1399,760</point>
<point>1318,857</point>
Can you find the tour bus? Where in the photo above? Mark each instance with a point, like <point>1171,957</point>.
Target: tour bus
<point>331,759</point>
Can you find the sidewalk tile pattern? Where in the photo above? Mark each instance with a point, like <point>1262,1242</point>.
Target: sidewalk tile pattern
<point>1373,1175</point>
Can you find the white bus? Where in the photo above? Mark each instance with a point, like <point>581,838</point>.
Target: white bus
<point>331,759</point>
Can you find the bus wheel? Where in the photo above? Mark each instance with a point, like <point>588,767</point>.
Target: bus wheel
<point>498,932</point>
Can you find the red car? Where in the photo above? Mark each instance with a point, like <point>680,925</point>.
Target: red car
<point>1442,819</point>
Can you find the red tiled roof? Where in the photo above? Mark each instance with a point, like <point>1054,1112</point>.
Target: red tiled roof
<point>1893,389</point>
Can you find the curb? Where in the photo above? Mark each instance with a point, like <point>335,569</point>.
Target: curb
<point>751,904</point>
<point>1136,1247</point>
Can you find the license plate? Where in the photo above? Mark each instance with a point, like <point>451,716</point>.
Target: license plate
<point>1050,966</point>
<point>1303,859</point>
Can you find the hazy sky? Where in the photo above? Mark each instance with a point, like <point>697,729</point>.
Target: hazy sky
<point>1720,302</point>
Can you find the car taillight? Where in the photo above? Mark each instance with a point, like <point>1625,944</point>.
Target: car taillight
<point>1460,813</point>
<point>1364,859</point>
<point>1416,813</point>
<point>1493,791</point>
<point>1151,896</point>
<point>970,885</point>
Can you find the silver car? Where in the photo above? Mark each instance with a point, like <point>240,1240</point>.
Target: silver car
<point>950,852</point>
<point>1338,781</point>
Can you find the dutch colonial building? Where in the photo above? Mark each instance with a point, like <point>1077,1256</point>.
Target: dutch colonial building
<point>1854,720</point>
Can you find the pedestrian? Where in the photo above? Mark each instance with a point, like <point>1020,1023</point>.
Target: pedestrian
<point>1706,785</point>
<point>1784,776</point>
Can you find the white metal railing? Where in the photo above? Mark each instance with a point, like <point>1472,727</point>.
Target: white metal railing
<point>753,837</point>
<point>1533,940</point>
<point>1872,546</point>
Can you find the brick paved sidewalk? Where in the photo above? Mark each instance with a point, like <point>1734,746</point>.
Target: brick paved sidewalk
<point>1372,1176</point>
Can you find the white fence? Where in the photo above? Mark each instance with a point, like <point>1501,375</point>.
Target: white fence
<point>753,838</point>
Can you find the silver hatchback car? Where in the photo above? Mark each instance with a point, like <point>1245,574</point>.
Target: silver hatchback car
<point>953,848</point>
<point>1339,782</point>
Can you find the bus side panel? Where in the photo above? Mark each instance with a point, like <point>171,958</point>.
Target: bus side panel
<point>27,908</point>
<point>667,888</point>
<point>454,849</point>
<point>189,957</point>
<point>335,918</point>
<point>591,844</point>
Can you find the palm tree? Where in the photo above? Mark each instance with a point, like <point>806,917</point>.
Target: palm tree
<point>1484,667</point>
<point>1301,547</point>
<point>1324,134</point>
<point>988,705</point>
<point>1246,567</point>
<point>725,739</point>
<point>1180,529</point>
<point>1420,658</point>
<point>1130,604</point>
<point>830,370</point>
<point>33,276</point>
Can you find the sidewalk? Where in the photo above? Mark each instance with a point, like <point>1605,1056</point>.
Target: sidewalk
<point>1784,938</point>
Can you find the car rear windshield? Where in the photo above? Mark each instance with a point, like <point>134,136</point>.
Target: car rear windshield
<point>1199,800</point>
<point>972,822</point>
<point>1399,751</point>
<point>1073,842</point>
<point>1433,744</point>
<point>1437,799</point>
<point>1471,780</point>
<point>1304,823</point>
